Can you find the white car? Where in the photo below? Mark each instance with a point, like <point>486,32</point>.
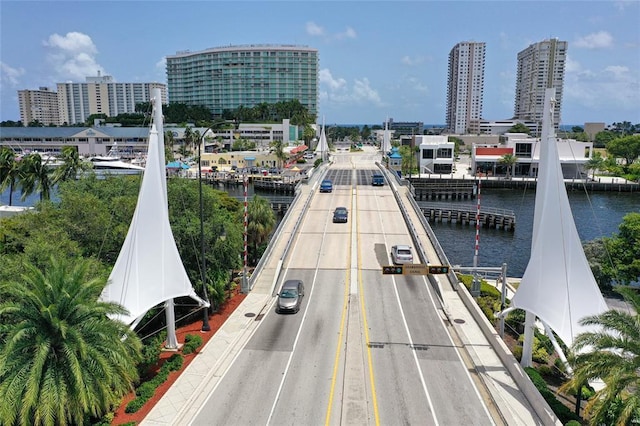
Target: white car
<point>401,254</point>
<point>308,155</point>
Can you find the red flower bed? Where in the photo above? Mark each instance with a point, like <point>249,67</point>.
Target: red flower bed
<point>215,321</point>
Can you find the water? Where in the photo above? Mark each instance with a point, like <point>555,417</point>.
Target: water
<point>597,214</point>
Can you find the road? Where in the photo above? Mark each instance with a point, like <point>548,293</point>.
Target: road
<point>365,348</point>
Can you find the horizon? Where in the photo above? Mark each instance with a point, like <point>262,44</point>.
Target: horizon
<point>367,71</point>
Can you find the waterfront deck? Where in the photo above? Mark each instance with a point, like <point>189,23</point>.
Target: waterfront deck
<point>465,214</point>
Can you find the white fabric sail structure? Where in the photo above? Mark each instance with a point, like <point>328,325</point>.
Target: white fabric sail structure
<point>323,146</point>
<point>558,285</point>
<point>149,270</point>
<point>386,139</point>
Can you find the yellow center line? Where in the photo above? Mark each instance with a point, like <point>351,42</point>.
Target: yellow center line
<point>366,331</point>
<point>341,333</point>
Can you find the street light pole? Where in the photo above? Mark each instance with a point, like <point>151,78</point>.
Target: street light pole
<point>203,272</point>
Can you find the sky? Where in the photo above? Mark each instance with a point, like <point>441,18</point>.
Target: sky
<point>378,59</point>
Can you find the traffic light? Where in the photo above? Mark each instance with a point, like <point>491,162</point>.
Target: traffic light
<point>394,270</point>
<point>438,269</point>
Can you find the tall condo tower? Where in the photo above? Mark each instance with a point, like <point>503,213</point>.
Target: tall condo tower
<point>40,105</point>
<point>540,66</point>
<point>101,95</point>
<point>465,87</point>
<point>225,78</point>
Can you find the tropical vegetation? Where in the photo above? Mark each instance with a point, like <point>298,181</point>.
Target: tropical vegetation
<point>62,359</point>
<point>611,354</point>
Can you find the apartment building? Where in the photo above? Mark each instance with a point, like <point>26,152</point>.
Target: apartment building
<point>465,87</point>
<point>38,105</point>
<point>102,95</point>
<point>225,78</point>
<point>540,66</point>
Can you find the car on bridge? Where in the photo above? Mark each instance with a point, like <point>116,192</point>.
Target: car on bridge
<point>340,215</point>
<point>326,186</point>
<point>401,254</point>
<point>377,180</point>
<point>290,296</point>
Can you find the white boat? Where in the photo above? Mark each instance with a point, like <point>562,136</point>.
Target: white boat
<point>112,161</point>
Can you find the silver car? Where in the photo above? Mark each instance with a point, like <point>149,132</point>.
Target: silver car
<point>290,296</point>
<point>401,254</point>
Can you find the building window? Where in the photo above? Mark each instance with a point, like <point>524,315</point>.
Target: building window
<point>427,153</point>
<point>523,150</point>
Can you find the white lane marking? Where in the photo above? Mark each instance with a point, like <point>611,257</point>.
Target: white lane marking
<point>406,327</point>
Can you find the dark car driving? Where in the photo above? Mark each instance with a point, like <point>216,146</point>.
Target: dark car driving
<point>340,215</point>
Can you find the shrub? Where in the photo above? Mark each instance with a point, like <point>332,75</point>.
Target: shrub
<point>540,355</point>
<point>191,343</point>
<point>146,390</point>
<point>517,352</point>
<point>545,370</point>
<point>560,410</point>
<point>573,423</point>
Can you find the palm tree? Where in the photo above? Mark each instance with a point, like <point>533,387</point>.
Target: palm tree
<point>508,160</point>
<point>261,221</point>
<point>9,171</point>
<point>611,354</point>
<point>70,166</point>
<point>594,163</point>
<point>278,150</point>
<point>62,359</point>
<point>35,176</point>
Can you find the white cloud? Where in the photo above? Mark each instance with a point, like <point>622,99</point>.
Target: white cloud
<point>337,91</point>
<point>10,75</point>
<point>314,29</point>
<point>613,86</point>
<point>411,61</point>
<point>599,40</point>
<point>72,56</point>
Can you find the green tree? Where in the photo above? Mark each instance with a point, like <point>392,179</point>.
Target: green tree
<point>71,164</point>
<point>627,147</point>
<point>278,150</point>
<point>508,160</point>
<point>9,171</point>
<point>519,128</point>
<point>261,221</point>
<point>611,354</point>
<point>602,138</point>
<point>366,132</point>
<point>596,162</point>
<point>62,360</point>
<point>35,176</point>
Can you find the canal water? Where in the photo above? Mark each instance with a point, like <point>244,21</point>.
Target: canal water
<point>597,214</point>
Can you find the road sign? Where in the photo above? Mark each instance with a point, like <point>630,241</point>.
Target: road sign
<point>415,269</point>
<point>394,270</point>
<point>438,269</point>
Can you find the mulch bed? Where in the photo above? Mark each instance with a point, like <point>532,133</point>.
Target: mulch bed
<point>215,321</point>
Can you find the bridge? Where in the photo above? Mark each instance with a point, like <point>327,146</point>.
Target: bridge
<point>365,348</point>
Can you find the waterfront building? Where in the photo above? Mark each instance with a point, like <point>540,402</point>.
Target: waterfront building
<point>485,158</point>
<point>436,154</point>
<point>102,95</point>
<point>465,87</point>
<point>226,78</point>
<point>540,66</point>
<point>500,127</point>
<point>38,105</point>
<point>398,128</point>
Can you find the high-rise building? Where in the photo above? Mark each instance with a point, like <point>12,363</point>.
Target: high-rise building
<point>465,87</point>
<point>40,105</point>
<point>540,66</point>
<point>101,95</point>
<point>225,78</point>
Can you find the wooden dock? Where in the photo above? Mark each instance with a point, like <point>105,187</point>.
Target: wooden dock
<point>429,189</point>
<point>465,214</point>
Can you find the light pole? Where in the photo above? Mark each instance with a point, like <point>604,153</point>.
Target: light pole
<point>203,271</point>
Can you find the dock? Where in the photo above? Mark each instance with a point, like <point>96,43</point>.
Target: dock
<point>465,214</point>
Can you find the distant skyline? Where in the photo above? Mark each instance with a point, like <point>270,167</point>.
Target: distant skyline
<point>378,59</point>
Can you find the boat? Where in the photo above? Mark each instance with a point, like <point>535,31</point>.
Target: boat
<point>112,161</point>
<point>558,286</point>
<point>148,271</point>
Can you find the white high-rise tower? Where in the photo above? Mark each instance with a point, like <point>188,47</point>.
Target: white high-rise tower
<point>465,87</point>
<point>540,67</point>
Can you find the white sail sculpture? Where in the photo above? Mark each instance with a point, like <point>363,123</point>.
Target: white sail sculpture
<point>323,146</point>
<point>386,139</point>
<point>149,270</point>
<point>557,286</point>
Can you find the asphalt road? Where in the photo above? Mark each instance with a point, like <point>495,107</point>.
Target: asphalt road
<point>365,348</point>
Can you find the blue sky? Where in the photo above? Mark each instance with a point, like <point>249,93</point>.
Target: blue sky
<point>378,59</point>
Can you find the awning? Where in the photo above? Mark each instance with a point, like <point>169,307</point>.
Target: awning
<point>298,149</point>
<point>249,158</point>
